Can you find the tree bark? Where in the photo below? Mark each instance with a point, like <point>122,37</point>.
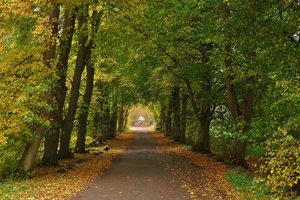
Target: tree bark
<point>113,121</point>
<point>163,118</point>
<point>192,98</point>
<point>26,162</point>
<point>202,115</point>
<point>247,106</point>
<point>84,110</point>
<point>49,54</point>
<point>98,117</point>
<point>176,113</point>
<point>106,116</point>
<point>205,109</point>
<point>126,117</point>
<point>183,118</point>
<point>240,146</point>
<point>121,118</point>
<point>168,122</point>
<point>202,144</point>
<point>83,54</point>
<point>50,156</point>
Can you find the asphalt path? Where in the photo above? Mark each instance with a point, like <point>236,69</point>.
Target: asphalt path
<point>139,174</point>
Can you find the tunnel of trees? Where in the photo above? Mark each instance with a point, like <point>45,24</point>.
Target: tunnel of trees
<point>221,76</point>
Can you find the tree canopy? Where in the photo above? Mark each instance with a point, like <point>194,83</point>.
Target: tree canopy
<point>222,76</point>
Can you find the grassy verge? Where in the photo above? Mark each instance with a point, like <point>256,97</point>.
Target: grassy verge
<point>249,189</point>
<point>246,185</point>
<point>10,187</point>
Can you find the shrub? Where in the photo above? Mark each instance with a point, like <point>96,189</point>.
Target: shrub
<point>221,147</point>
<point>281,169</point>
<point>10,154</point>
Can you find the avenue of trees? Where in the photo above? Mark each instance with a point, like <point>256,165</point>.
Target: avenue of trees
<point>222,76</point>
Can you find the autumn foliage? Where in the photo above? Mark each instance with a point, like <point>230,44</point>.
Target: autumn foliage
<point>221,76</point>
<point>281,170</point>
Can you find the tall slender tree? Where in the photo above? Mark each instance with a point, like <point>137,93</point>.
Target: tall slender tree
<point>50,156</point>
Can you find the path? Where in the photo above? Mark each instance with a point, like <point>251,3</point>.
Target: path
<point>139,174</point>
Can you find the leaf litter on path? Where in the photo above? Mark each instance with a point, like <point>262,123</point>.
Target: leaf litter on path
<point>198,174</point>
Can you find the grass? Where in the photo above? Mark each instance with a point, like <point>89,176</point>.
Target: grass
<point>10,187</point>
<point>246,185</point>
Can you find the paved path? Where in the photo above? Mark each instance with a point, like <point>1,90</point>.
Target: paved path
<point>139,174</point>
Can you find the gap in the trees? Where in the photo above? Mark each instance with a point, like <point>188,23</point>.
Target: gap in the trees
<point>141,117</point>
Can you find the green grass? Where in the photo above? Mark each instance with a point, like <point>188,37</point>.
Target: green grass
<point>9,188</point>
<point>249,189</point>
<point>246,186</point>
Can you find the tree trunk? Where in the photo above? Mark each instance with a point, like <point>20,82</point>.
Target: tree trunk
<point>176,114</point>
<point>126,117</point>
<point>98,117</point>
<point>49,54</point>
<point>203,116</point>
<point>234,107</point>
<point>168,123</point>
<point>202,144</point>
<point>106,117</point>
<point>205,110</point>
<point>113,125</point>
<point>241,146</point>
<point>113,122</point>
<point>82,57</point>
<point>121,118</point>
<point>113,113</point>
<point>163,118</point>
<point>183,118</point>
<point>26,162</point>
<point>84,110</point>
<point>192,98</point>
<point>50,156</point>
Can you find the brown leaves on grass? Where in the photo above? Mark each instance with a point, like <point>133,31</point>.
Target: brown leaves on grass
<point>206,183</point>
<point>47,184</point>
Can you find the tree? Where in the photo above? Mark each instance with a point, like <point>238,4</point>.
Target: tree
<point>27,160</point>
<point>50,156</point>
<point>83,55</point>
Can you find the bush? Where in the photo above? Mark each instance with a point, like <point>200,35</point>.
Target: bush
<point>281,169</point>
<point>10,154</point>
<point>221,147</point>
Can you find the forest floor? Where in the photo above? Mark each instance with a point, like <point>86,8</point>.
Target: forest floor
<point>140,165</point>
